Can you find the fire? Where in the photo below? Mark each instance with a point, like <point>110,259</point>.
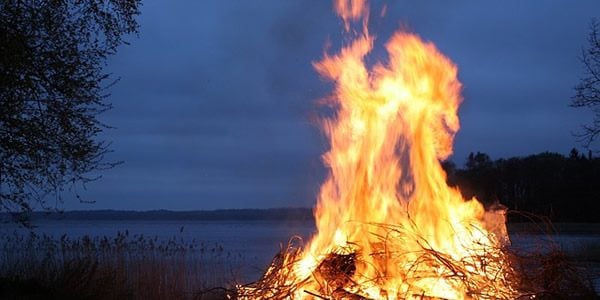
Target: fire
<point>388,225</point>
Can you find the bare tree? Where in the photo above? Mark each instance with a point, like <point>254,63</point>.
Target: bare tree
<point>587,92</point>
<point>52,88</point>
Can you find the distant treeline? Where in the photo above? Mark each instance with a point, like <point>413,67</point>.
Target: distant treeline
<point>562,188</point>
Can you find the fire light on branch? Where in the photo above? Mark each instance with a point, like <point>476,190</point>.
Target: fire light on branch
<point>388,225</point>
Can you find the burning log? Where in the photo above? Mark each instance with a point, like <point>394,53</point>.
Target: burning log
<point>337,269</point>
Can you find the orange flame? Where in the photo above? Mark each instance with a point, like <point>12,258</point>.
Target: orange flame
<point>386,202</point>
<point>403,113</point>
<point>400,114</point>
<point>351,10</point>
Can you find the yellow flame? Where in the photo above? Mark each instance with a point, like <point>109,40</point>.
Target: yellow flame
<point>386,202</point>
<point>401,113</point>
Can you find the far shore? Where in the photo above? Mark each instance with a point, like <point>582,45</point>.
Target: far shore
<point>536,226</point>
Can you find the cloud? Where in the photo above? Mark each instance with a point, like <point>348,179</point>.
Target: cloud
<point>215,100</point>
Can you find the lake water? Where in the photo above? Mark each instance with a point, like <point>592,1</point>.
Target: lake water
<point>253,243</point>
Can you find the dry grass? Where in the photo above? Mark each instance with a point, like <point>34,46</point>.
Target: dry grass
<point>137,267</point>
<point>124,267</point>
<point>544,272</point>
<point>481,275</point>
<point>553,270</point>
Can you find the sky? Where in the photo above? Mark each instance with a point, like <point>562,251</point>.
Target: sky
<point>216,101</point>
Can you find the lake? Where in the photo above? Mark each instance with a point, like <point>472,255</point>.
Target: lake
<point>253,243</point>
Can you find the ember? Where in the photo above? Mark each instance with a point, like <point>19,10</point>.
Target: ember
<point>389,227</point>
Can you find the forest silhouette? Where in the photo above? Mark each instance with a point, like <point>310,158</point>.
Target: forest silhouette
<point>549,185</point>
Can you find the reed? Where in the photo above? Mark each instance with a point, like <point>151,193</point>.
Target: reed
<point>34,266</point>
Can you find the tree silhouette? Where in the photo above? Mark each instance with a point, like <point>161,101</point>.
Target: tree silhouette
<point>563,188</point>
<point>52,88</point>
<point>587,92</point>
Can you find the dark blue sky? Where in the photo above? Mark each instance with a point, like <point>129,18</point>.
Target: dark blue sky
<point>216,98</point>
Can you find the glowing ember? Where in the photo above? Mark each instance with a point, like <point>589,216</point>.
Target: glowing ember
<point>388,224</point>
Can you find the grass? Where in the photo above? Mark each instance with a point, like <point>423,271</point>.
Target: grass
<point>557,269</point>
<point>34,266</point>
<point>123,267</point>
<point>542,270</point>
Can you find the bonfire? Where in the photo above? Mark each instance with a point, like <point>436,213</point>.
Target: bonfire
<point>388,225</point>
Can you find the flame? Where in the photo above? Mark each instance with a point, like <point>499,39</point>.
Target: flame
<point>351,10</point>
<point>386,218</point>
